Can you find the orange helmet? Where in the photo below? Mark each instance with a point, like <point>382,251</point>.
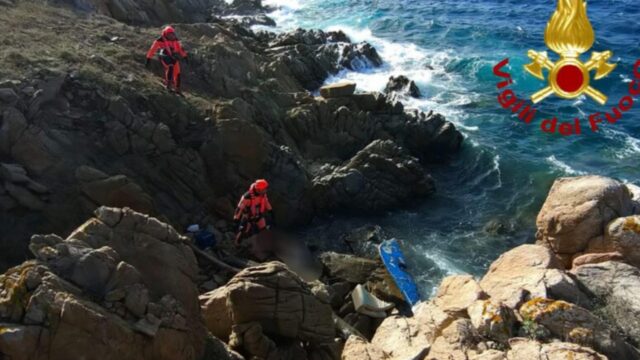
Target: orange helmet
<point>168,30</point>
<point>261,185</point>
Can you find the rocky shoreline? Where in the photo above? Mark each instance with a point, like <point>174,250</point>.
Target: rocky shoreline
<point>86,133</point>
<point>91,127</point>
<point>125,285</point>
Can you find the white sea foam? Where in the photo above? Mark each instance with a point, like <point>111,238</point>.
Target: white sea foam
<point>442,91</point>
<point>442,262</point>
<point>630,147</point>
<point>562,166</point>
<point>625,78</point>
<point>284,15</point>
<point>289,4</point>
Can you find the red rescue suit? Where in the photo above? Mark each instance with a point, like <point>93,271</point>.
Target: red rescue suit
<point>251,212</point>
<point>170,52</point>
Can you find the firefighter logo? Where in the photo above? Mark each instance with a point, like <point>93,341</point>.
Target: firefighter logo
<point>569,34</point>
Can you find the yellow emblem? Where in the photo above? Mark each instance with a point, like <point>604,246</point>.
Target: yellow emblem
<point>569,34</point>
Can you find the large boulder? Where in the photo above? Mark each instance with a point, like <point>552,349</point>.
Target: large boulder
<point>341,89</point>
<point>576,324</point>
<point>617,285</point>
<point>411,337</point>
<point>273,297</point>
<point>526,272</point>
<point>114,191</point>
<point>349,268</point>
<point>96,294</point>
<point>576,212</point>
<point>522,349</point>
<point>380,176</point>
<point>457,292</point>
<point>623,236</point>
<point>402,85</point>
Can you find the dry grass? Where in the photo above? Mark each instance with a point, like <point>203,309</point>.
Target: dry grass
<point>39,38</point>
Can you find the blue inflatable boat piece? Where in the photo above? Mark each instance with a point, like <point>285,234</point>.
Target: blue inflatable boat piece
<point>394,261</point>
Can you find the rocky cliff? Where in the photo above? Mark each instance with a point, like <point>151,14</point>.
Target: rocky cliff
<point>87,133</point>
<point>126,285</point>
<point>84,124</point>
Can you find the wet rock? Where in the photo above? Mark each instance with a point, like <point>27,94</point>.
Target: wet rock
<point>337,36</point>
<point>616,285</point>
<point>576,211</point>
<point>364,241</point>
<point>337,90</point>
<point>261,19</point>
<point>360,56</point>
<point>403,86</point>
<point>526,272</point>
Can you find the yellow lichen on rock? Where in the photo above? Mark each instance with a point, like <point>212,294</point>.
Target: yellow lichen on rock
<point>632,224</point>
<point>537,307</point>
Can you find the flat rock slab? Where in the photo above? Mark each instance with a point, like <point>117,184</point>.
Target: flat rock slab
<point>341,89</point>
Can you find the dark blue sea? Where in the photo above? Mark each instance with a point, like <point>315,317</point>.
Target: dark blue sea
<point>506,166</point>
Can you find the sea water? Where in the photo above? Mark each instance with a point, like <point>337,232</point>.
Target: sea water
<point>489,194</point>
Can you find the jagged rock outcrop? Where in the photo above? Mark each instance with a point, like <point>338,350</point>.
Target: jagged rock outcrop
<point>576,212</point>
<point>380,176</point>
<point>264,304</point>
<point>312,55</point>
<point>616,285</point>
<point>96,294</point>
<point>457,292</point>
<point>530,271</point>
<point>401,86</point>
<point>187,159</point>
<point>569,321</point>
